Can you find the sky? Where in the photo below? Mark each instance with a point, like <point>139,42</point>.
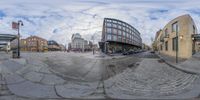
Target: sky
<point>59,19</point>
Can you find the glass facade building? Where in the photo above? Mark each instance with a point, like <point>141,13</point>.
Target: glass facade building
<point>119,36</point>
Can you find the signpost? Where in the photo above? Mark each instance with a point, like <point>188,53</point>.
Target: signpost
<point>16,26</point>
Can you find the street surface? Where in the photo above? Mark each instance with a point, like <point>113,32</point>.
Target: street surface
<point>62,75</point>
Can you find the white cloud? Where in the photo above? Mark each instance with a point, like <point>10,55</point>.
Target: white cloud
<point>58,20</point>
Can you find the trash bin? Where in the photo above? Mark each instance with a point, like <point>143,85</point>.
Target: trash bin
<point>14,53</point>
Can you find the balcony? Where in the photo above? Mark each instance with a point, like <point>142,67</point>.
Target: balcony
<point>161,39</point>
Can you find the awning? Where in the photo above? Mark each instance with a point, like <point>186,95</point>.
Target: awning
<point>7,37</point>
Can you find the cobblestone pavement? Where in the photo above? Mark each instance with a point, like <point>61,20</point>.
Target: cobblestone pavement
<point>152,79</point>
<point>62,76</point>
<point>190,65</point>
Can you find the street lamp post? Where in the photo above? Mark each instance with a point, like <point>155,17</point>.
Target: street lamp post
<point>105,47</point>
<point>93,46</point>
<point>92,43</point>
<point>193,47</point>
<point>20,23</point>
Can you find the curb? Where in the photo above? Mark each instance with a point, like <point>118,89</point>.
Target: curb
<point>178,67</point>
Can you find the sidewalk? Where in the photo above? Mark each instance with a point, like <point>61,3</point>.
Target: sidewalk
<point>191,65</point>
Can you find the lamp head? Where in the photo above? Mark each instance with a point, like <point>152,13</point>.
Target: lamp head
<point>181,37</point>
<point>21,23</point>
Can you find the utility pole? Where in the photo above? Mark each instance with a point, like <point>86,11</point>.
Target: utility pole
<point>37,46</point>
<point>93,44</point>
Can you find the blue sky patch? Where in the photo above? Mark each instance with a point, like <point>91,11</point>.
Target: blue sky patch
<point>2,14</point>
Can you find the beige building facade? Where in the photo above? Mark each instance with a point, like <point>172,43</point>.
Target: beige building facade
<point>177,38</point>
<point>32,43</point>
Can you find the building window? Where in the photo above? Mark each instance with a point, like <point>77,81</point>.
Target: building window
<point>194,29</point>
<point>109,30</point>
<point>123,24</point>
<point>124,33</point>
<point>108,37</point>
<point>124,39</point>
<point>161,47</point>
<point>128,36</point>
<point>174,25</point>
<point>114,31</point>
<point>127,30</point>
<point>114,21</point>
<point>166,45</point>
<point>119,32</point>
<point>108,24</point>
<point>114,37</point>
<point>114,25</point>
<point>127,41</point>
<point>124,28</point>
<point>174,40</point>
<point>119,27</point>
<point>166,32</point>
<point>109,20</point>
<point>119,38</point>
<point>130,31</point>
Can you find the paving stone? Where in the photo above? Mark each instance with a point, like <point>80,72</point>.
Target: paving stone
<point>12,66</point>
<point>45,70</point>
<point>71,90</point>
<point>4,70</point>
<point>32,90</point>
<point>34,68</point>
<point>34,76</point>
<point>13,79</point>
<point>52,79</point>
<point>5,92</point>
<point>13,97</point>
<point>21,61</point>
<point>2,82</point>
<point>36,62</point>
<point>150,79</point>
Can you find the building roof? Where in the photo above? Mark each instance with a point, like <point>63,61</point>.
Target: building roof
<point>157,34</point>
<point>76,35</point>
<point>182,17</point>
<point>52,42</point>
<point>36,37</point>
<point>121,22</point>
<point>7,37</point>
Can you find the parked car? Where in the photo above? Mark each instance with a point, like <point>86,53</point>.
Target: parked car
<point>152,51</point>
<point>125,53</point>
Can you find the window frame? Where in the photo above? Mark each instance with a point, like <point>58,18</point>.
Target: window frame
<point>109,37</point>
<point>174,28</point>
<point>166,45</point>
